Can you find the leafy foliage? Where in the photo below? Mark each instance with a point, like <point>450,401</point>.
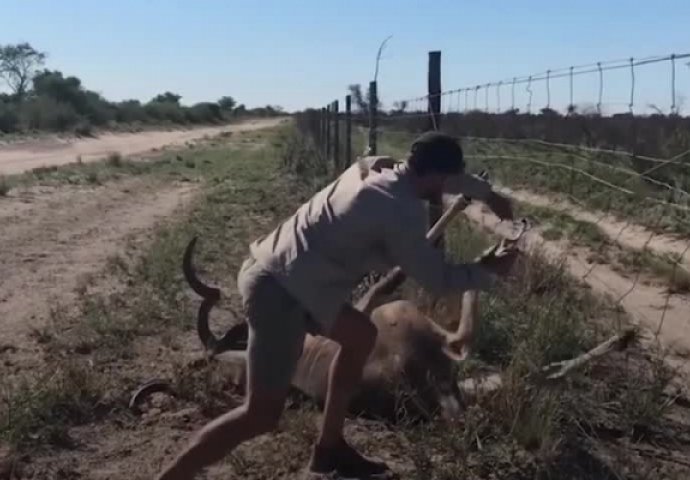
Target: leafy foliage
<point>50,100</point>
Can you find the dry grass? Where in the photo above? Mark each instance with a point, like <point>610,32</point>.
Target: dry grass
<point>664,269</point>
<point>522,431</point>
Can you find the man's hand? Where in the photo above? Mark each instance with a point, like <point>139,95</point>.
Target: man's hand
<point>500,205</point>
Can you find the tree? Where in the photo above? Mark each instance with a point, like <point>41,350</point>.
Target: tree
<point>358,98</point>
<point>399,107</point>
<point>167,97</point>
<point>63,89</point>
<point>227,103</point>
<point>17,66</point>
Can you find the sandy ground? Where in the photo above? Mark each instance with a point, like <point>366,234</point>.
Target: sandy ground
<point>650,307</point>
<point>52,241</point>
<point>23,156</point>
<point>625,233</point>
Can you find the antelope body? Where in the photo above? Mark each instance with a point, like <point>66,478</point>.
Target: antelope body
<point>412,353</point>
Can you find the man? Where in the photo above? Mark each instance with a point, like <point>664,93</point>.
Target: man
<point>299,277</point>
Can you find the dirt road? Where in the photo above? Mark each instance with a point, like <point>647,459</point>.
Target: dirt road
<point>51,242</point>
<point>54,239</point>
<point>24,156</point>
<point>625,233</point>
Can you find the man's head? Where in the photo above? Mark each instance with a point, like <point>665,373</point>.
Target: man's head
<point>434,157</point>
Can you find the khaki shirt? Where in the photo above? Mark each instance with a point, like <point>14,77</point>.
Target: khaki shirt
<point>368,219</point>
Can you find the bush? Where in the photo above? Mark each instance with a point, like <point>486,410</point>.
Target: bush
<point>9,119</point>
<point>83,129</point>
<point>165,111</point>
<point>130,111</point>
<point>42,113</point>
<point>203,113</point>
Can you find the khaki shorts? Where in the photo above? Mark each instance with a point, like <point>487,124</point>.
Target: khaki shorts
<point>277,327</point>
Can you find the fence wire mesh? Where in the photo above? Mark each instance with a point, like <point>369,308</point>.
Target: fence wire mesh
<point>606,157</point>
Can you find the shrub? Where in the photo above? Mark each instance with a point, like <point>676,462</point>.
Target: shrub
<point>130,111</point>
<point>9,118</point>
<point>165,111</point>
<point>42,113</point>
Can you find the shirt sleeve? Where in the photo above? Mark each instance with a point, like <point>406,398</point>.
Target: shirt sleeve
<point>468,185</point>
<point>406,243</point>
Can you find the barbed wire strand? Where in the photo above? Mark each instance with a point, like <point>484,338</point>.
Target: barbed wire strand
<point>633,173</point>
<point>590,269</point>
<point>641,251</point>
<point>589,68</point>
<point>606,212</point>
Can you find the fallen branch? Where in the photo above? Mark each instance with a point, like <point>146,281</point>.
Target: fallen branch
<point>559,370</point>
<point>553,372</point>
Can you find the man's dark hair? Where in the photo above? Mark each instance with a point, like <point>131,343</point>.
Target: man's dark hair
<point>435,152</point>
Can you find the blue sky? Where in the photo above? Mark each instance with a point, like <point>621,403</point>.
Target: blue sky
<point>305,53</point>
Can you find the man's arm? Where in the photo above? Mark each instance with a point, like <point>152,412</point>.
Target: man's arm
<point>477,188</point>
<point>405,241</point>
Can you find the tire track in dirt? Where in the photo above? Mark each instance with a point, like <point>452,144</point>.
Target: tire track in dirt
<point>626,234</point>
<point>24,156</point>
<point>52,242</point>
<point>644,303</point>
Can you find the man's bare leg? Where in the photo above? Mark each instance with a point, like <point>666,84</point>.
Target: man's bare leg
<point>258,415</point>
<point>275,342</point>
<point>356,335</point>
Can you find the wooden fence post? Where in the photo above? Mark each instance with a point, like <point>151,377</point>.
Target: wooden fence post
<point>322,131</point>
<point>373,107</point>
<point>336,136</point>
<point>322,141</point>
<point>434,97</point>
<point>348,131</point>
<point>328,133</point>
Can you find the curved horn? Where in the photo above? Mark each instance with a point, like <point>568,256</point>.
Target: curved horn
<point>190,274</point>
<point>146,389</point>
<point>236,337</point>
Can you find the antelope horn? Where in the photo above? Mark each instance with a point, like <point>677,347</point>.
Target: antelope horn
<point>146,389</point>
<point>236,337</point>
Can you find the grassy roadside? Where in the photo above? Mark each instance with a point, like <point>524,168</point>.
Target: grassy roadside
<point>148,297</point>
<point>141,329</point>
<point>536,167</point>
<point>114,165</point>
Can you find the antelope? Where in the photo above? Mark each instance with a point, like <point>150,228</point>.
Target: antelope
<point>412,353</point>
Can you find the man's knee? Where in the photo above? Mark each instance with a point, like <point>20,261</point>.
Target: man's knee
<point>355,332</point>
<point>368,338</point>
<point>265,415</point>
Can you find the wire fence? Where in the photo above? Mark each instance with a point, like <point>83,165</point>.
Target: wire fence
<point>617,172</point>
